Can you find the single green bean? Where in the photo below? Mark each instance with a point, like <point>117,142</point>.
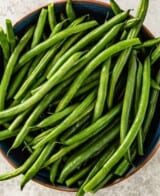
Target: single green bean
<point>20,76</point>
<point>132,133</point>
<point>124,35</point>
<point>155,55</point>
<point>10,34</point>
<point>103,183</point>
<point>128,96</point>
<point>103,56</point>
<point>18,120</point>
<point>70,11</point>
<point>115,7</point>
<point>4,45</point>
<point>6,134</point>
<point>10,66</point>
<point>77,176</point>
<point>54,171</point>
<point>94,128</point>
<point>149,43</point>
<point>39,28</point>
<point>51,16</point>
<point>136,105</point>
<point>151,108</point>
<point>86,89</point>
<point>55,39</point>
<point>102,90</point>
<point>31,172</point>
<point>131,23</point>
<point>155,85</point>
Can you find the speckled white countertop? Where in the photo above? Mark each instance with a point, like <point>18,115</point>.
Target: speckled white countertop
<point>144,183</point>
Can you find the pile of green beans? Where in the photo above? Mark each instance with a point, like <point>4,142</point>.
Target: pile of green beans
<point>77,96</point>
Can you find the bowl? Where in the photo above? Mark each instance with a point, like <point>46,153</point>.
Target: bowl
<point>98,10</point>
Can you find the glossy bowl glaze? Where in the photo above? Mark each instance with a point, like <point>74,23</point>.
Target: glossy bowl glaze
<point>98,9</point>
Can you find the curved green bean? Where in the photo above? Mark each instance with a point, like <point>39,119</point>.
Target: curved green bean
<point>102,90</point>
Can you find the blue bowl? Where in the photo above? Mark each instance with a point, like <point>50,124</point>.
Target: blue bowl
<point>98,10</point>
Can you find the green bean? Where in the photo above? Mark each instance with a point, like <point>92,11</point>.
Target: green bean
<point>115,7</point>
<point>155,85</point>
<point>124,165</point>
<point>27,146</point>
<point>67,122</point>
<point>149,43</point>
<point>15,85</point>
<point>49,121</point>
<point>86,40</point>
<point>39,28</point>
<point>123,57</point>
<point>23,168</point>
<point>31,172</point>
<point>128,98</point>
<point>18,120</point>
<point>155,55</point>
<point>54,39</point>
<point>58,27</point>
<point>92,78</point>
<point>84,89</point>
<point>94,128</point>
<point>102,90</point>
<point>137,97</point>
<point>10,66</point>
<point>10,34</point>
<point>40,66</point>
<point>103,183</point>
<point>151,108</point>
<point>131,23</point>
<point>54,171</point>
<point>98,146</point>
<point>79,20</point>
<point>103,56</point>
<point>70,11</point>
<point>131,134</point>
<point>4,45</point>
<point>80,174</point>
<point>78,126</point>
<point>6,134</point>
<point>105,156</point>
<point>42,92</point>
<point>63,151</point>
<point>51,16</point>
<point>124,35</point>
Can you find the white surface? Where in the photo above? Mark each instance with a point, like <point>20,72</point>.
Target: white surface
<point>144,183</point>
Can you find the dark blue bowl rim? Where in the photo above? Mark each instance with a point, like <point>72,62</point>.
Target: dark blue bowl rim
<point>152,152</point>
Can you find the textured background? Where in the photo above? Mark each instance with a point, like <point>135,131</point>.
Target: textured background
<point>144,183</point>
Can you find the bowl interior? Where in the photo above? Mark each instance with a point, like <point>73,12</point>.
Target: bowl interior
<point>99,12</point>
